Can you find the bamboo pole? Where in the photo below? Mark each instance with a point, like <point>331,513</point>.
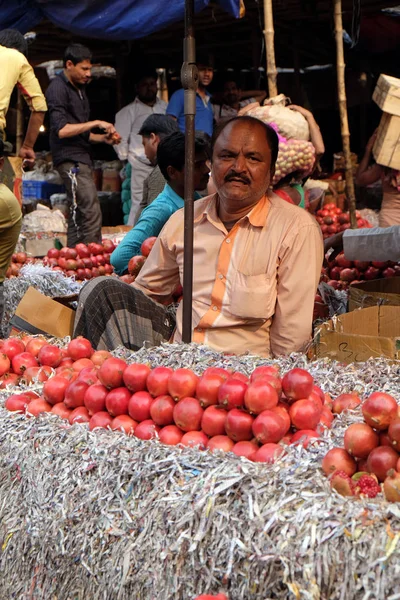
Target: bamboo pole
<point>344,123</point>
<point>269,34</point>
<point>20,123</point>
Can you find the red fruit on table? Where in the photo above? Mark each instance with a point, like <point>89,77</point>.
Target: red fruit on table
<point>195,439</point>
<point>162,410</point>
<point>335,273</point>
<point>95,398</point>
<point>391,486</point>
<point>135,377</point>
<point>124,423</point>
<point>269,427</point>
<point>213,421</point>
<point>182,383</point>
<point>99,356</point>
<point>379,410</point>
<point>50,355</point>
<point>345,402</point>
<point>108,245</point>
<point>82,250</point>
<point>17,402</point>
<point>265,371</point>
<point>12,347</point>
<point>117,401</point>
<point>381,460</point>
<point>188,414</point>
<point>342,261</point>
<point>79,415</point>
<point>238,425</point>
<point>61,410</point>
<point>170,435</point>
<point>297,384</point>
<point>34,345</point>
<point>82,363</point>
<point>21,362</point>
<point>157,381</point>
<point>305,414</point>
<point>95,248</point>
<point>338,459</point>
<point>220,442</point>
<point>38,406</point>
<point>75,394</point>
<point>268,453</point>
<point>53,253</point>
<point>147,430</point>
<point>111,372</point>
<point>100,419</point>
<point>231,393</point>
<point>135,264</point>
<point>304,436</point>
<point>147,246</point>
<point>371,273</point>
<point>139,406</point>
<point>54,389</point>
<point>259,396</point>
<point>360,439</point>
<point>5,364</point>
<point>246,449</point>
<point>207,388</point>
<point>79,347</point>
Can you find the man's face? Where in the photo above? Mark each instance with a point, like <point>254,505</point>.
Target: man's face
<point>241,163</point>
<point>150,145</point>
<point>206,75</point>
<point>80,73</point>
<point>147,90</point>
<point>231,93</point>
<point>201,171</point>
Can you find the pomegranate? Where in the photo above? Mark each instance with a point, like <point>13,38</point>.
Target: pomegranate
<point>182,384</point>
<point>260,396</point>
<point>79,347</point>
<point>317,390</point>
<point>54,389</point>
<point>170,435</point>
<point>79,415</point>
<point>391,486</point>
<point>12,347</point>
<point>240,377</point>
<point>304,436</point>
<point>82,363</point>
<point>188,414</point>
<point>238,425</point>
<point>360,439</point>
<point>381,460</point>
<point>75,394</point>
<point>124,423</point>
<point>88,375</point>
<point>384,439</point>
<point>162,410</point>
<point>139,406</point>
<point>217,371</point>
<point>157,381</point>
<point>207,389</point>
<point>345,402</point>
<point>95,398</point>
<point>100,419</point>
<point>268,453</point>
<point>264,371</point>
<point>34,345</point>
<point>326,418</point>
<point>297,384</point>
<point>38,406</point>
<point>135,377</point>
<point>23,361</point>
<point>394,433</point>
<point>231,393</point>
<point>117,401</point>
<point>220,442</point>
<point>371,273</point>
<point>37,374</point>
<point>282,411</point>
<point>147,245</point>
<point>5,364</point>
<point>379,410</point>
<point>213,421</point>
<point>9,380</point>
<point>146,430</point>
<point>246,449</point>
<point>99,356</point>
<point>111,372</point>
<point>82,251</point>
<point>305,414</point>
<point>17,402</point>
<point>61,410</point>
<point>338,459</point>
<point>135,264</point>
<point>195,439</point>
<point>269,427</point>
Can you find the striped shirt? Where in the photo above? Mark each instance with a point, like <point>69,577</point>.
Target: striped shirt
<point>15,70</point>
<point>253,287</point>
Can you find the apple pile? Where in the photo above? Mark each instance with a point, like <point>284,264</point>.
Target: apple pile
<point>82,262</point>
<point>221,410</point>
<point>341,272</point>
<point>370,459</point>
<point>332,220</point>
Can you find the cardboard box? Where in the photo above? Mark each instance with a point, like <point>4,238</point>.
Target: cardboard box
<point>386,149</point>
<point>387,94</point>
<point>39,247</point>
<point>38,314</point>
<point>359,335</point>
<point>377,292</point>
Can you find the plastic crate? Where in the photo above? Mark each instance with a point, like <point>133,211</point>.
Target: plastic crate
<point>40,190</point>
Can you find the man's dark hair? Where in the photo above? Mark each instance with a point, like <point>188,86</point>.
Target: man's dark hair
<point>1,148</point>
<point>161,125</point>
<point>144,73</point>
<point>171,151</point>
<point>270,134</point>
<point>77,53</point>
<point>11,38</point>
<point>205,60</point>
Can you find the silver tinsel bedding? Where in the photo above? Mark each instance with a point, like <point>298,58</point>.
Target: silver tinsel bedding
<point>99,515</point>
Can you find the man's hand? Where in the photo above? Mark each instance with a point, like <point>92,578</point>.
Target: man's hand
<point>300,109</point>
<point>335,242</point>
<point>371,141</point>
<point>108,127</point>
<point>27,154</point>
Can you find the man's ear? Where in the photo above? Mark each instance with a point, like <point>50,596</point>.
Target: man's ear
<point>69,64</point>
<point>171,172</point>
<point>154,139</point>
<point>1,162</point>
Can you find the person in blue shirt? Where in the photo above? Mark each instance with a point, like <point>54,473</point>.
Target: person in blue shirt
<point>171,160</point>
<point>204,119</point>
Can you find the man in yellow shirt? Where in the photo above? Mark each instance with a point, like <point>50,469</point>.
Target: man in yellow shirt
<point>16,70</point>
<point>256,263</point>
<point>10,226</point>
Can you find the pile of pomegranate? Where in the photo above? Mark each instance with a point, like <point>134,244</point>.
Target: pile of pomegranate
<point>82,262</point>
<point>18,260</point>
<point>370,460</point>
<point>341,272</point>
<point>221,410</point>
<point>137,262</point>
<point>332,220</point>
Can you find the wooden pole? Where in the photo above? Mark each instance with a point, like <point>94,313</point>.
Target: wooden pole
<point>269,34</point>
<point>20,123</point>
<point>344,123</point>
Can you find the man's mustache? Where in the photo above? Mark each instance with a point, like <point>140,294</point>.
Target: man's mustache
<point>232,175</point>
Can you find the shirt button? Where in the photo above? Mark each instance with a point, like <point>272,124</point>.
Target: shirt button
<point>199,330</point>
<point>220,276</point>
<point>215,307</point>
<point>228,241</point>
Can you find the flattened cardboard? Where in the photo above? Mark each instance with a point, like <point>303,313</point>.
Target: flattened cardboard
<point>37,314</point>
<point>360,335</point>
<point>376,292</point>
<point>387,94</point>
<point>386,148</point>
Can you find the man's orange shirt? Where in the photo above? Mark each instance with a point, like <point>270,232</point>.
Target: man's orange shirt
<point>253,287</point>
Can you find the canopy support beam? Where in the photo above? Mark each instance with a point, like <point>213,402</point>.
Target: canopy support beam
<point>269,34</point>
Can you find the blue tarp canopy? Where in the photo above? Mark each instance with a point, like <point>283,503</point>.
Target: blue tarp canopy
<point>104,19</point>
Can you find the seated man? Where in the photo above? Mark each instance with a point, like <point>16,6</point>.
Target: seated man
<point>233,99</point>
<point>257,262</point>
<point>154,129</point>
<point>171,160</point>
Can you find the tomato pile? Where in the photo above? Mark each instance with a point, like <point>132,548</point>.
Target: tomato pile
<point>83,261</point>
<point>332,219</point>
<point>370,460</point>
<point>220,410</point>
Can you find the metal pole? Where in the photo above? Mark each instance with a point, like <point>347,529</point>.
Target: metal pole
<point>189,78</point>
<point>344,123</point>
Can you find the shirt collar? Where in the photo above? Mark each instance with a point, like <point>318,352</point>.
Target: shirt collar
<point>175,198</point>
<point>257,216</point>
